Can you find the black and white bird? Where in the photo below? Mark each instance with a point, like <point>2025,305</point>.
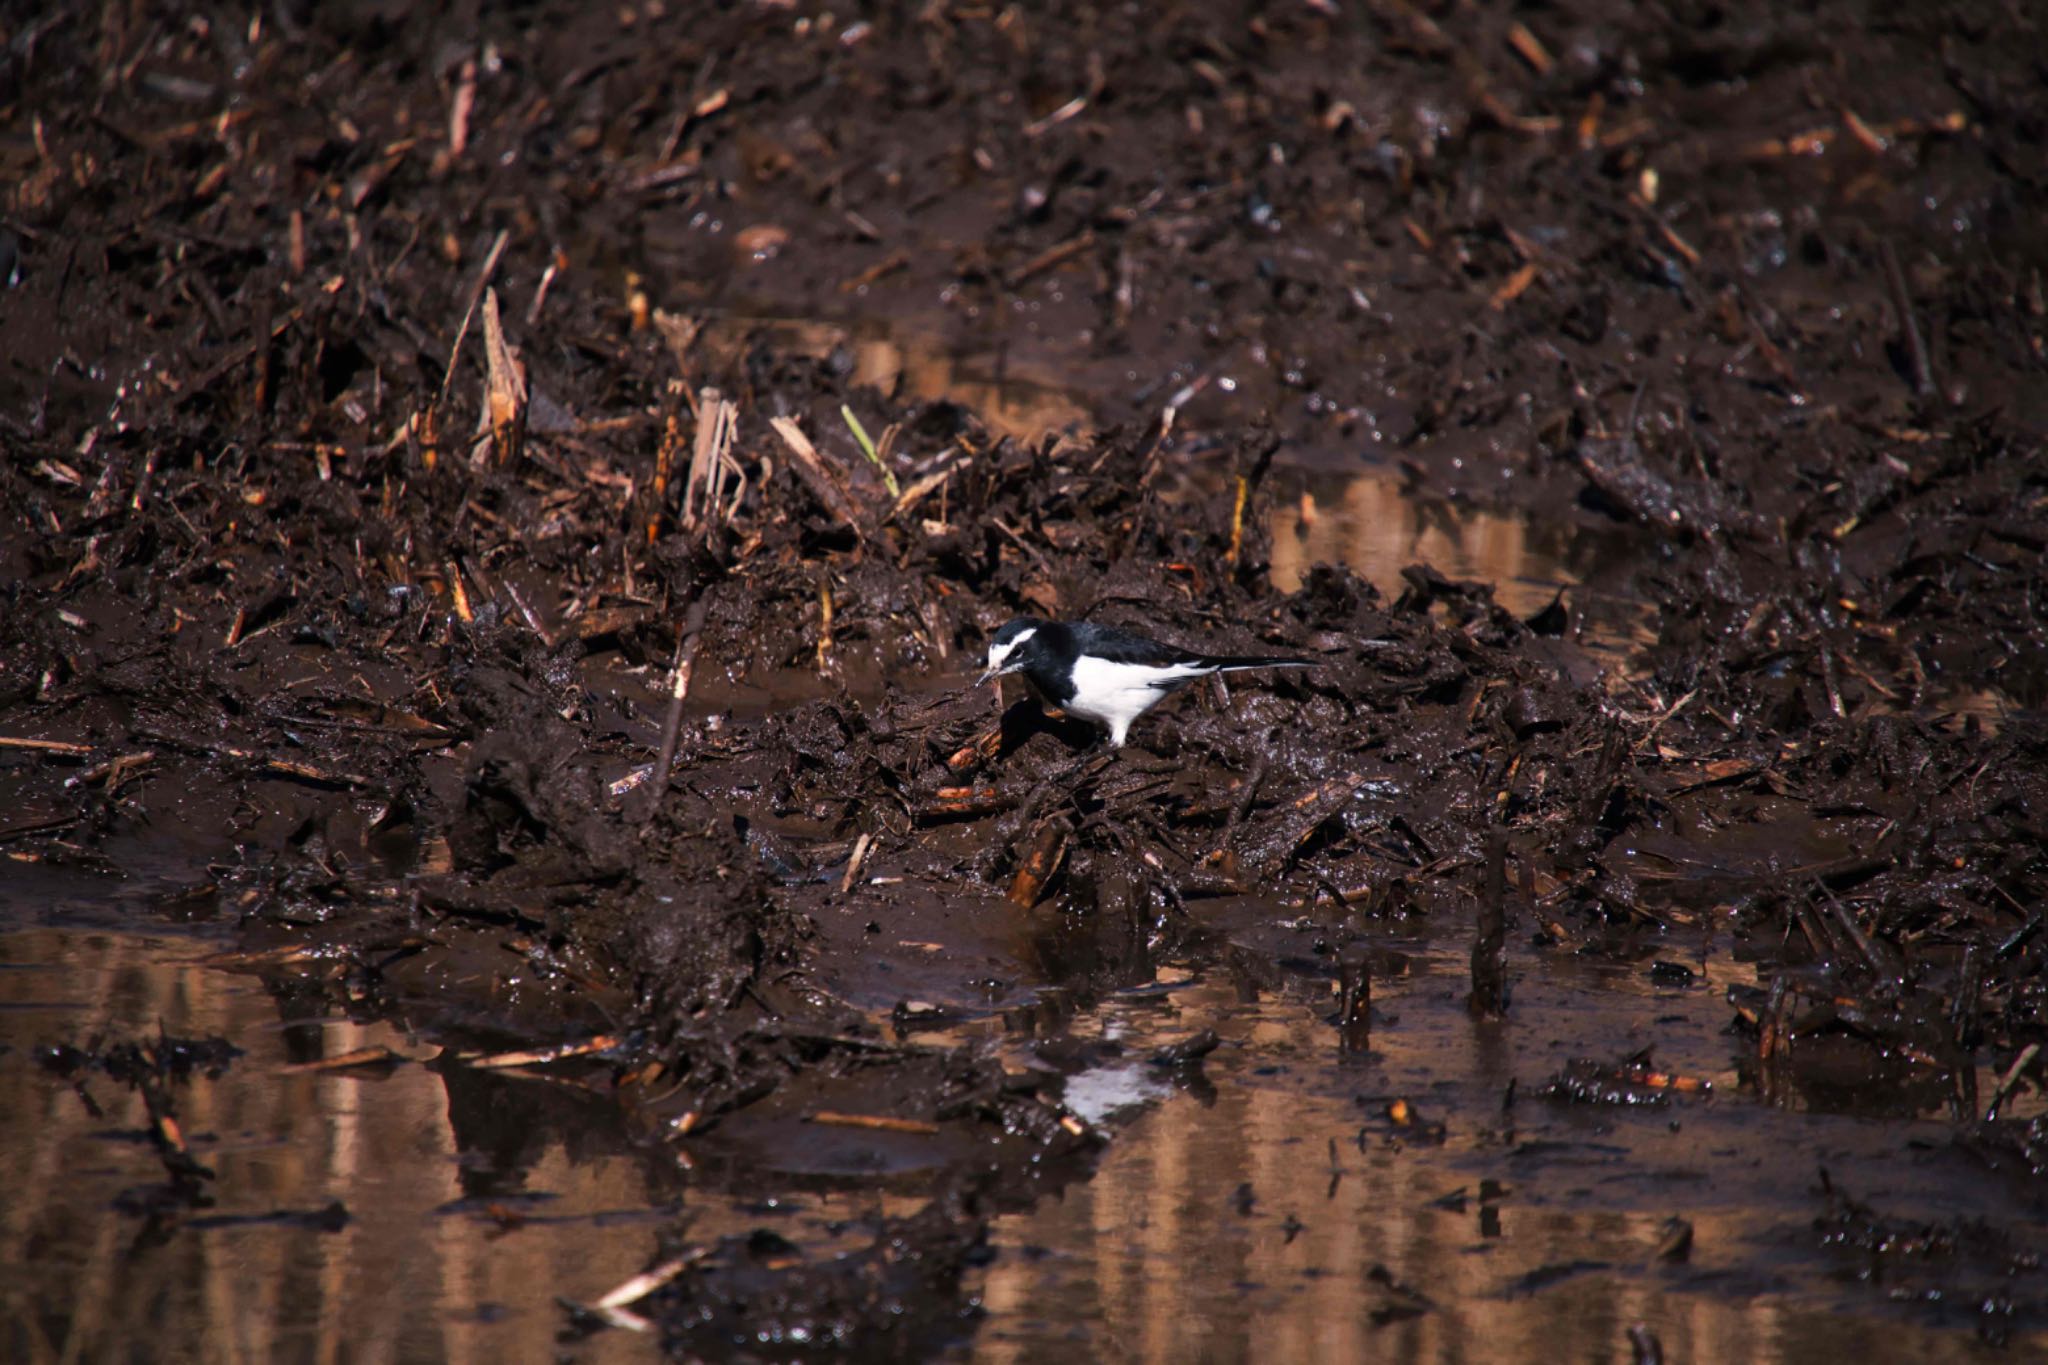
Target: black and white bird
<point>1104,675</point>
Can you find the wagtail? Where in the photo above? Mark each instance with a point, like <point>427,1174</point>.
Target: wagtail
<point>1107,676</point>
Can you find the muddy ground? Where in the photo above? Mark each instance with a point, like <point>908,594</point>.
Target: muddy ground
<point>395,405</point>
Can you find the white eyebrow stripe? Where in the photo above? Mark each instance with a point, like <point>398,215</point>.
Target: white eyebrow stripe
<point>998,653</point>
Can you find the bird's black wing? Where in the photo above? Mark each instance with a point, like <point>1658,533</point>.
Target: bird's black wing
<point>1122,647</point>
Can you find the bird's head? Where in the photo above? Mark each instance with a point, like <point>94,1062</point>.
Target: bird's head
<point>1009,648</point>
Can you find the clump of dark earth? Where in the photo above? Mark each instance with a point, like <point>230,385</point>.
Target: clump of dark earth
<point>363,491</point>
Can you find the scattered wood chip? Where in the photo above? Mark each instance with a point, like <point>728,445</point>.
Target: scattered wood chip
<point>604,1042</point>
<point>1530,49</point>
<point>49,746</point>
<point>375,1055</point>
<point>505,389</point>
<point>883,1123</point>
<point>825,482</point>
<point>1516,286</point>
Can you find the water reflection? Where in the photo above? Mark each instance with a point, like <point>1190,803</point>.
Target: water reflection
<point>1281,1215</point>
<point>399,1280</point>
<point>903,363</point>
<point>1379,526</point>
<point>1265,1206</point>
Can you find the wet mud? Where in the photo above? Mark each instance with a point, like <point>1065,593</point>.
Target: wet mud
<point>502,511</point>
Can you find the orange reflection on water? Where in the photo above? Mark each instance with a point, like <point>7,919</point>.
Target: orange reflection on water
<point>1273,1219</point>
<point>1379,526</point>
<point>403,1279</point>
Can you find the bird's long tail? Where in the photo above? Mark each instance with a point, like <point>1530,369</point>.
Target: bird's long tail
<point>1234,663</point>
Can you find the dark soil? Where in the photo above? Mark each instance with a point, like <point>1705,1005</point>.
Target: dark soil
<point>322,606</point>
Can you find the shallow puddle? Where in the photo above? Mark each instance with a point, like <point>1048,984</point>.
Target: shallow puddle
<point>373,1213</point>
<point>909,363</point>
<point>1378,525</point>
<point>1263,1205</point>
<point>423,1211</point>
<point>1273,1209</point>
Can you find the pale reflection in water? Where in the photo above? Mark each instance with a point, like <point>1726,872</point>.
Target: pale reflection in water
<point>1279,1216</point>
<point>1377,526</point>
<point>473,1199</point>
<point>405,1278</point>
<point>906,365</point>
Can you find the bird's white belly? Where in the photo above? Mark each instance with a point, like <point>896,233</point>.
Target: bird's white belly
<point>1115,694</point>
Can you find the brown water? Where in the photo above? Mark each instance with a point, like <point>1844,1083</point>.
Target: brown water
<point>455,1241</point>
<point>1377,525</point>
<point>1265,1210</point>
<point>1158,1257</point>
<point>475,1198</point>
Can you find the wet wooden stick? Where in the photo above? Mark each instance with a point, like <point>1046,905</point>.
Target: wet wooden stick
<point>460,593</point>
<point>1909,327</point>
<point>717,421</point>
<point>1489,999</point>
<point>1963,1027</point>
<point>821,479</point>
<point>882,1123</point>
<point>1041,861</point>
<point>647,1281</point>
<point>951,803</point>
<point>48,746</point>
<point>1052,256</point>
<point>1530,49</point>
<point>375,1055</point>
<point>1883,961</point>
<point>1237,525</point>
<point>2009,1080</point>
<point>504,389</point>
<point>824,624</point>
<point>980,749</point>
<point>1516,286</point>
<point>499,1061</point>
<point>679,691</point>
<point>1774,1035</point>
<point>853,862</point>
<point>476,296</point>
<point>115,771</point>
<point>263,762</point>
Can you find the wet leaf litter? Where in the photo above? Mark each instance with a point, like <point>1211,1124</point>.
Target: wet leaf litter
<point>430,545</point>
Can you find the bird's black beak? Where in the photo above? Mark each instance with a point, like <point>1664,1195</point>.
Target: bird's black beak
<point>987,674</point>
